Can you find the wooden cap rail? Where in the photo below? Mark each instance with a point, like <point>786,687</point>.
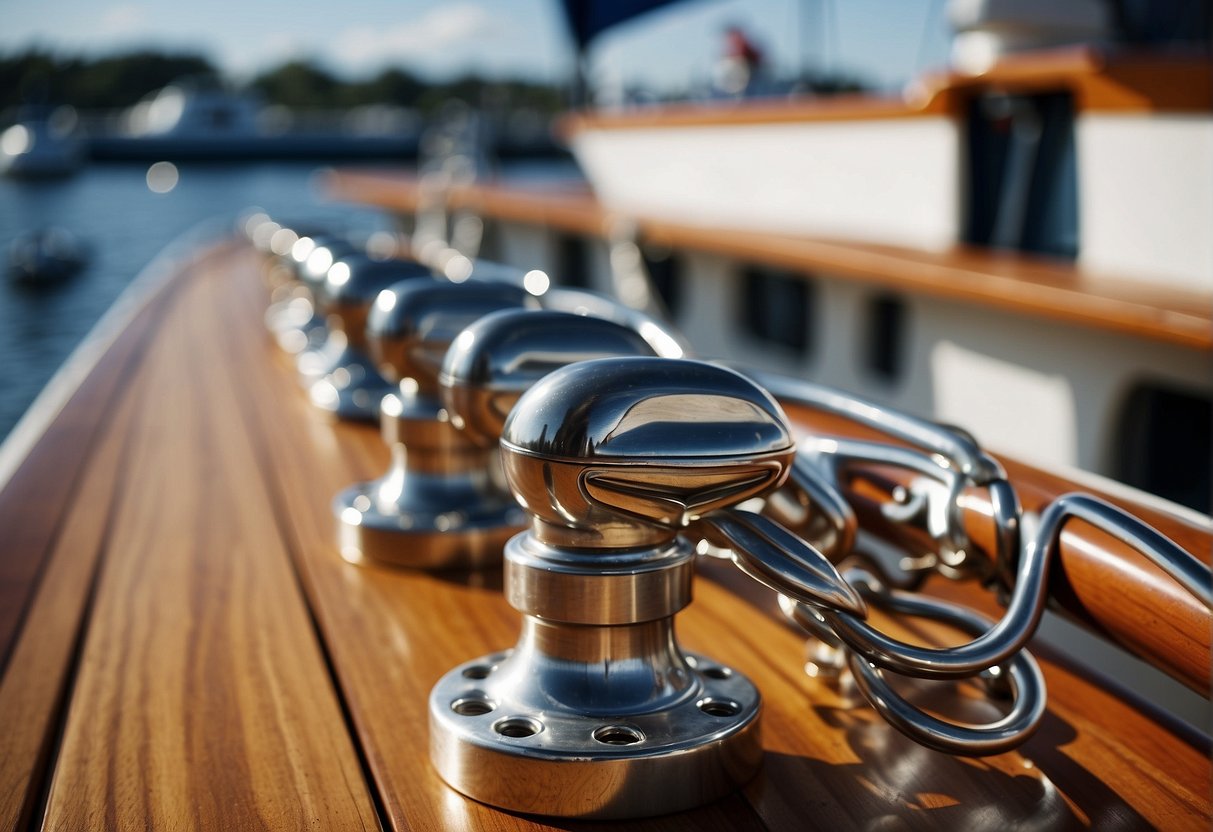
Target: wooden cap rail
<point>1121,81</point>
<point>192,651</point>
<point>1100,80</point>
<point>1014,282</point>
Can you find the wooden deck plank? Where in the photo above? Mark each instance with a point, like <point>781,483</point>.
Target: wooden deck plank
<point>202,698</point>
<point>42,488</point>
<point>32,692</point>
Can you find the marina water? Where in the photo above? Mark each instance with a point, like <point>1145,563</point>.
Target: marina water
<point>124,224</point>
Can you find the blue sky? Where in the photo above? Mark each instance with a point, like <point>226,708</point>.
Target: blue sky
<point>888,41</point>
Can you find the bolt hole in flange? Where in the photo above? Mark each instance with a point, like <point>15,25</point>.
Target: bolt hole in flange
<point>477,671</point>
<point>717,672</point>
<point>718,707</point>
<point>473,706</point>
<point>518,727</point>
<point>618,735</point>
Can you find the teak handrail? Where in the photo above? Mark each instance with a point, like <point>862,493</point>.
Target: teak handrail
<point>1101,81</point>
<point>1017,283</point>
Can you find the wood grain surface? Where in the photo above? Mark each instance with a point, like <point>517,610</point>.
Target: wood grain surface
<point>44,484</point>
<point>201,697</point>
<point>226,669</point>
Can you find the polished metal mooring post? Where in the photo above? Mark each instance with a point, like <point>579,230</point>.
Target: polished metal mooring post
<point>437,506</point>
<point>597,712</point>
<point>350,386</point>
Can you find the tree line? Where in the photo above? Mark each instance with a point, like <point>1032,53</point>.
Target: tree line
<point>117,81</point>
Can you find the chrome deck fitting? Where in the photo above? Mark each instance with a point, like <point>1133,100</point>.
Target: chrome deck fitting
<point>597,712</point>
<point>350,386</point>
<point>502,355</point>
<point>294,316</point>
<point>437,506</point>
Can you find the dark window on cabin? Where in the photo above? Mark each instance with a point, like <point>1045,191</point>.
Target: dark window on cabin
<point>572,261</point>
<point>1164,444</point>
<point>884,337</point>
<point>1023,174</point>
<point>665,271</point>
<point>776,307</point>
<point>490,241</point>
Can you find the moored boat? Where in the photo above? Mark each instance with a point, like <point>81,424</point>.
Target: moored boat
<point>1016,247</point>
<point>45,257</point>
<point>42,144</point>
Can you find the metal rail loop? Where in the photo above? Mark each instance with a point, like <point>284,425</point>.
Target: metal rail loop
<point>1021,562</point>
<point>1026,683</point>
<point>1028,596</point>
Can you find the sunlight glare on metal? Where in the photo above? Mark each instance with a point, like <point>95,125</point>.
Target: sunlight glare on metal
<point>300,311</point>
<point>429,250</point>
<point>324,394</point>
<point>464,340</point>
<point>264,233</point>
<point>665,344</point>
<point>319,261</point>
<point>382,245</point>
<point>536,282</point>
<point>302,248</point>
<point>253,220</point>
<point>339,274</point>
<point>282,240</point>
<point>162,177</point>
<point>386,301</point>
<point>16,140</point>
<point>458,269</point>
<point>293,341</point>
<point>391,406</point>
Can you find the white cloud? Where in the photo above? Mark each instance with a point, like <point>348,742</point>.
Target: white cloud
<point>273,49</point>
<point>434,35</point>
<point>122,20</point>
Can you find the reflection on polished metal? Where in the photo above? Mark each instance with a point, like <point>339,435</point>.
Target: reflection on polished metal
<point>502,355</point>
<point>597,712</point>
<point>351,387</point>
<point>665,340</point>
<point>437,506</point>
<point>294,317</point>
<point>315,360</point>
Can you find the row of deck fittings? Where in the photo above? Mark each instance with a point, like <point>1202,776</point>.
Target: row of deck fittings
<point>576,437</point>
<point>440,358</point>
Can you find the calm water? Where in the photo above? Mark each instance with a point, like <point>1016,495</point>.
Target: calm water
<point>125,225</point>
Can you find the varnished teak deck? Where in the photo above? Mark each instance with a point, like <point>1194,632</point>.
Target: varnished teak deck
<point>184,648</point>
